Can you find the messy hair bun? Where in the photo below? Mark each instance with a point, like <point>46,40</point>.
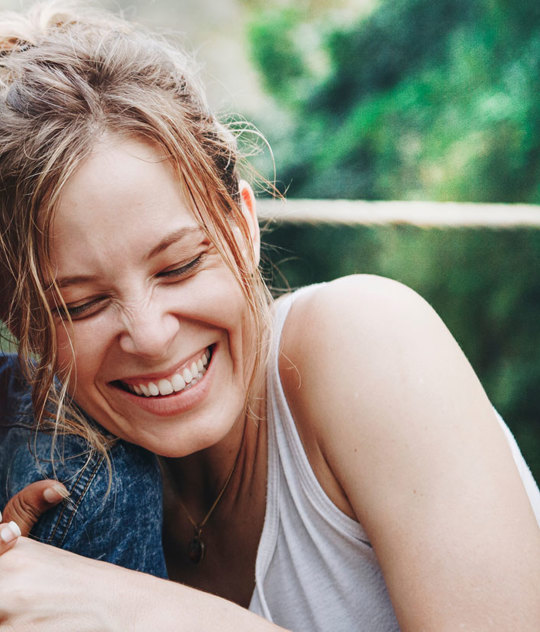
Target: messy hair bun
<point>19,31</point>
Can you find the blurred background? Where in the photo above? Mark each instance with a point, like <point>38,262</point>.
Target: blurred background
<point>394,100</point>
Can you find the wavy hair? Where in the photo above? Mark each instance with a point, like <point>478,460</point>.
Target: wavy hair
<point>68,76</point>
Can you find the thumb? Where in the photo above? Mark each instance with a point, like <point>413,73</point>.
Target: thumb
<point>26,507</point>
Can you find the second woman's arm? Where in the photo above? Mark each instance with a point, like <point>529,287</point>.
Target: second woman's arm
<point>49,589</point>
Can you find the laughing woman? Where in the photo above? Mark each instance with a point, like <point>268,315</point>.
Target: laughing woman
<point>328,461</point>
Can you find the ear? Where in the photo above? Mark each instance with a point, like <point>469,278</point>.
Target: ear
<point>247,202</point>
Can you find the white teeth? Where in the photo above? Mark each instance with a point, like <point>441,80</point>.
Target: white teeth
<point>145,390</point>
<point>165,387</point>
<point>178,382</point>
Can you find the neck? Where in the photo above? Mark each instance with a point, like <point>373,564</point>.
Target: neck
<point>198,478</point>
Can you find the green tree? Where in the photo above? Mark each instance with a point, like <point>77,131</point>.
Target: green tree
<point>420,99</point>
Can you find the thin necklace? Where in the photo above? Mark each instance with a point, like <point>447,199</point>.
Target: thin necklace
<point>196,546</point>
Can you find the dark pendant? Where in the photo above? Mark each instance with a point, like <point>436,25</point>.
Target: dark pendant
<point>196,549</point>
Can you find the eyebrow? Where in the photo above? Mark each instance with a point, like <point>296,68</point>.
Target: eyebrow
<point>174,237</point>
<point>169,240</point>
<point>74,280</point>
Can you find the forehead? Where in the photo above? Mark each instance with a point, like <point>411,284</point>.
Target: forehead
<point>125,197</point>
<point>119,177</point>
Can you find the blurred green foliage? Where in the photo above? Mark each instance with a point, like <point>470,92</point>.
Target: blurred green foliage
<point>418,100</point>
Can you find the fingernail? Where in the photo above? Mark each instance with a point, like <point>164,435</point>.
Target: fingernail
<point>9,532</point>
<point>55,493</point>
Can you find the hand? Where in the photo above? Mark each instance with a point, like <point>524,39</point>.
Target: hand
<point>25,508</point>
<point>46,588</point>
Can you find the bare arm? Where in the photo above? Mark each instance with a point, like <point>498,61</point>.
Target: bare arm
<point>414,451</point>
<point>59,591</point>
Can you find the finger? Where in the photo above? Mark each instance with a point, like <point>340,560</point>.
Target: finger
<point>26,507</point>
<point>9,534</point>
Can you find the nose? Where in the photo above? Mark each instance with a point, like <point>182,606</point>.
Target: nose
<point>148,330</point>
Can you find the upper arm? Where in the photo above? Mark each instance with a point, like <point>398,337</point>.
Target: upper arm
<point>397,413</point>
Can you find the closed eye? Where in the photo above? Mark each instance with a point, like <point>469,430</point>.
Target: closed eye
<point>95,305</point>
<point>183,270</point>
<point>82,310</point>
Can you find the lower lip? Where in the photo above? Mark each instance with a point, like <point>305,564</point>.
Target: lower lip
<point>176,403</point>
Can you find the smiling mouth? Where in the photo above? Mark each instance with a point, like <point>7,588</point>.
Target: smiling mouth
<point>180,380</point>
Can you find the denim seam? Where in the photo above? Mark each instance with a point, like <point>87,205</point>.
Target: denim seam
<point>74,506</point>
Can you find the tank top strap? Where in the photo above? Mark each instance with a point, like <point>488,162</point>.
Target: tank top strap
<point>281,311</point>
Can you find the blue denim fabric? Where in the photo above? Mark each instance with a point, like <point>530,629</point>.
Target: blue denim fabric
<point>122,527</point>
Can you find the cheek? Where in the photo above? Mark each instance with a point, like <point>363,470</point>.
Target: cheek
<point>79,350</point>
<point>237,320</point>
<point>215,299</point>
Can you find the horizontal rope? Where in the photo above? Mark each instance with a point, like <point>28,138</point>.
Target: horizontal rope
<point>416,213</point>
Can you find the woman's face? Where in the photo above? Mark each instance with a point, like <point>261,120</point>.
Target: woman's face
<point>160,325</point>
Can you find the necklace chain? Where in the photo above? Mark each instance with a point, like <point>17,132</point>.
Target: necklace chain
<point>196,547</point>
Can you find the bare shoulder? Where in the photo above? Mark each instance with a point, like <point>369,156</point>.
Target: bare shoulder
<point>369,300</point>
<point>372,353</point>
<point>370,319</point>
<point>402,437</point>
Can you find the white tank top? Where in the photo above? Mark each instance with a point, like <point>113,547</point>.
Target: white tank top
<point>315,568</point>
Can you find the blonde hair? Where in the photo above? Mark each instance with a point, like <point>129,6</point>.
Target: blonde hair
<point>68,75</point>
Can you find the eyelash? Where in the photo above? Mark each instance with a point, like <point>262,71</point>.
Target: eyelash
<point>79,312</point>
<point>183,270</point>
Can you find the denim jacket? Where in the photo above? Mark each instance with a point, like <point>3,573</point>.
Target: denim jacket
<point>122,527</point>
